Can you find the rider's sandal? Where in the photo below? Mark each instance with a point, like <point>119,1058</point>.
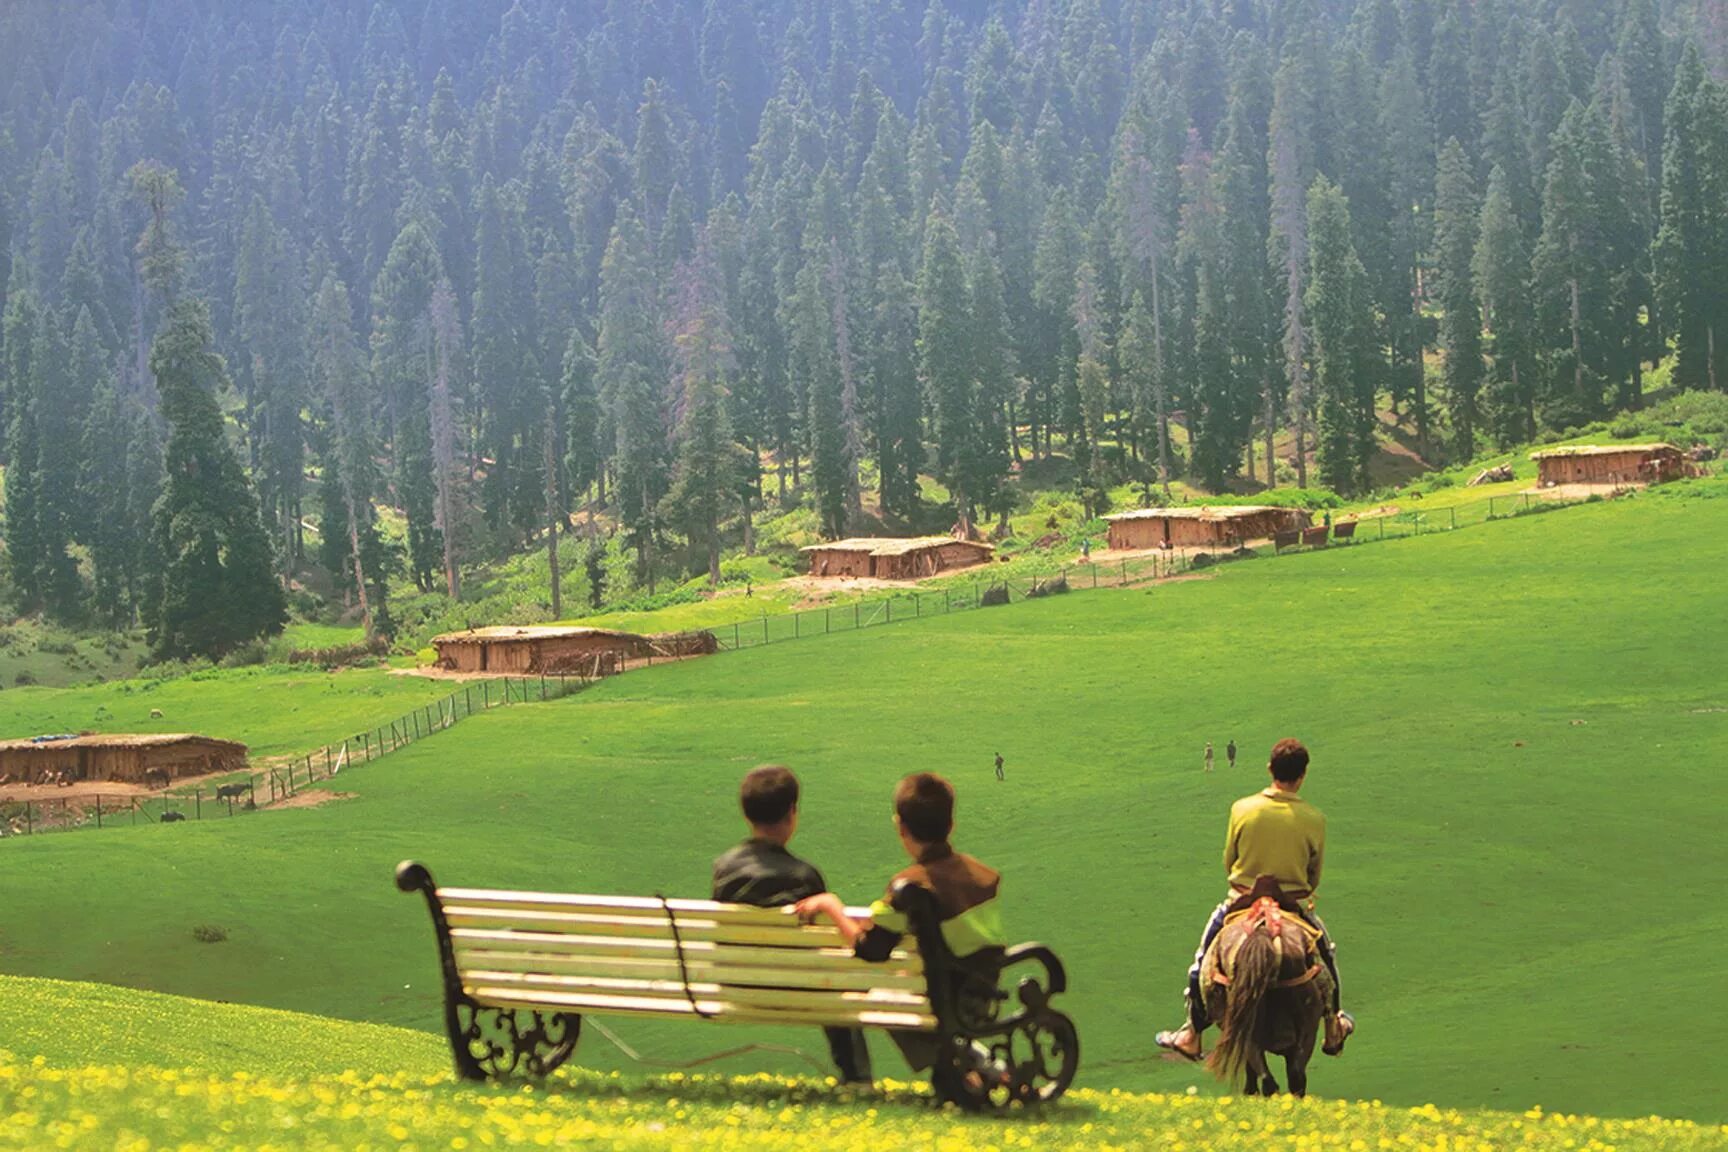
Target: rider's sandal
<point>1167,1041</point>
<point>1346,1029</point>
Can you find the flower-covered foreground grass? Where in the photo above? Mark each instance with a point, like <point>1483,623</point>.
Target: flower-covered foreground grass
<point>143,1108</point>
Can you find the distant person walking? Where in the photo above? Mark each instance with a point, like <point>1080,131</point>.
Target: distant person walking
<point>1208,755</point>
<point>1085,548</point>
<point>999,775</point>
<point>1230,752</point>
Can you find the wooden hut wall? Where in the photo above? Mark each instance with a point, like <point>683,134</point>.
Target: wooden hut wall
<point>841,562</point>
<point>1143,533</point>
<point>960,554</point>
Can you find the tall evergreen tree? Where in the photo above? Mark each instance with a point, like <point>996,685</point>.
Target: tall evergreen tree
<point>1692,244</point>
<point>218,590</point>
<point>1341,318</point>
<point>1456,219</point>
<point>631,370</point>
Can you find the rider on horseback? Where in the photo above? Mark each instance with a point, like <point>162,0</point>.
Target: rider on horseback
<point>1273,833</point>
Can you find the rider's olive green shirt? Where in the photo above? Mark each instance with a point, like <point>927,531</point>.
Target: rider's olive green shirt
<point>1275,833</point>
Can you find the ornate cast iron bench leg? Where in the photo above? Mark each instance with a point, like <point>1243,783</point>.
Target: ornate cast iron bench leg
<point>489,1042</point>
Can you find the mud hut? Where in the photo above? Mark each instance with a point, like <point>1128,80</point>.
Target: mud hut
<point>1223,527</point>
<point>889,558</point>
<point>532,650</point>
<point>152,758</point>
<point>1609,464</point>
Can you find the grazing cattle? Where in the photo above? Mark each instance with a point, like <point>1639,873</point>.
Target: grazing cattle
<point>234,791</point>
<point>173,817</point>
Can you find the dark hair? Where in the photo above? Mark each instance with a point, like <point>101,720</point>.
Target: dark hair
<point>925,804</point>
<point>768,794</point>
<point>1289,761</point>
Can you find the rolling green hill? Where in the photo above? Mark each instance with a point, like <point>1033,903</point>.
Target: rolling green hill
<point>172,1070</point>
<point>1517,733</point>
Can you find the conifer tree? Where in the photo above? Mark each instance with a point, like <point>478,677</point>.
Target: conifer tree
<point>1500,268</point>
<point>1692,244</point>
<point>632,368</point>
<point>944,363</point>
<point>1456,219</point>
<point>349,482</point>
<point>1340,320</point>
<point>218,590</point>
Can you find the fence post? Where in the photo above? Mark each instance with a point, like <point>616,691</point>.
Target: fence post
<point>1094,575</point>
<point>198,803</point>
<point>827,620</point>
<point>1526,501</point>
<point>29,820</point>
<point>98,811</point>
<point>134,811</point>
<point>856,605</point>
<point>890,608</point>
<point>1454,511</point>
<point>764,627</point>
<point>252,791</point>
<point>735,644</point>
<point>1381,520</point>
<point>797,625</point>
<point>326,759</point>
<point>917,604</point>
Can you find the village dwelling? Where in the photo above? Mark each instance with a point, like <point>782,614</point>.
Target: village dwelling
<point>154,759</point>
<point>888,558</point>
<point>1609,464</point>
<point>1224,527</point>
<point>526,650</point>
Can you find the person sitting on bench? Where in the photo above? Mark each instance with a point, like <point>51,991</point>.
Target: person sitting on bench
<point>965,890</point>
<point>1272,833</point>
<point>762,872</point>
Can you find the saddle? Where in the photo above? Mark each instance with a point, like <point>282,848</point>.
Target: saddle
<point>1266,888</point>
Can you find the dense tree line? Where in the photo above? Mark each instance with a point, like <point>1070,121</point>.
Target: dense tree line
<point>509,270</point>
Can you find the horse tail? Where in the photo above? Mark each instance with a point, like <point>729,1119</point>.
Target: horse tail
<point>1253,974</point>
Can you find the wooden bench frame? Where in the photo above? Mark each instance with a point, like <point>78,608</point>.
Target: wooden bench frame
<point>1344,531</point>
<point>532,1026</point>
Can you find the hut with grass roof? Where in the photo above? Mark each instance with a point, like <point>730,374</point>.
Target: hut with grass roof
<point>893,558</point>
<point>141,758</point>
<point>1202,527</point>
<point>534,650</point>
<point>1609,464</point>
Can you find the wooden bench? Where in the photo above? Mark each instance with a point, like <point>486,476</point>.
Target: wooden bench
<point>521,969</point>
<point>1283,540</point>
<point>1344,531</point>
<point>1315,537</point>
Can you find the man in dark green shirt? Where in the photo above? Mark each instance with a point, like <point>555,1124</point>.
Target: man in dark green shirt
<point>762,872</point>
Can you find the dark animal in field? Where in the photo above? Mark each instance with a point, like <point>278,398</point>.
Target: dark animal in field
<point>995,594</point>
<point>173,817</point>
<point>1267,990</point>
<point>233,791</point>
<point>156,778</point>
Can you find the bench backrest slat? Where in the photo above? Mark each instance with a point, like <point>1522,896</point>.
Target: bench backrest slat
<point>634,955</point>
<point>849,979</point>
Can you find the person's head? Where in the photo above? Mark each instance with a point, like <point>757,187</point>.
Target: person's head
<point>923,810</point>
<point>1289,764</point>
<point>769,797</point>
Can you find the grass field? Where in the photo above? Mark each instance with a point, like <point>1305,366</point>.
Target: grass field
<point>272,710</point>
<point>1518,734</point>
<point>300,1081</point>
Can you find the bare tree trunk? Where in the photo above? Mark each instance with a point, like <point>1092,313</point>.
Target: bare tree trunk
<point>444,431</point>
<point>1271,428</point>
<point>354,556</point>
<point>554,514</point>
<point>854,496</point>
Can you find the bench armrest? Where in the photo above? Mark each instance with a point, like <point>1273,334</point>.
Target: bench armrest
<point>1056,976</point>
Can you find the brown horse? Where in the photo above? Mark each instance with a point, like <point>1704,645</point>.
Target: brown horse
<point>1267,990</point>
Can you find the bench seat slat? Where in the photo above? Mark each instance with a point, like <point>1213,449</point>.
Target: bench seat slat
<point>787,933</point>
<point>840,977</point>
<point>616,1005</point>
<point>616,905</point>
<point>578,944</point>
<point>790,998</point>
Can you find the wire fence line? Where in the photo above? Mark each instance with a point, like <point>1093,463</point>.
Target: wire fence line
<point>986,589</point>
<point>278,782</point>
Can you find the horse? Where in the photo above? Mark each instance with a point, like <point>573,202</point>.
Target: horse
<point>1268,991</point>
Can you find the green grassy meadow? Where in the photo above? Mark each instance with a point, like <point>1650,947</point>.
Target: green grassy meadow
<point>1518,734</point>
<point>273,710</point>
